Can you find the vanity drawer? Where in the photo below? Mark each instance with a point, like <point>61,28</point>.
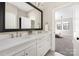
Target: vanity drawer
<point>44,38</point>
<point>16,49</point>
<point>20,54</point>
<point>40,48</point>
<point>31,51</point>
<point>43,46</point>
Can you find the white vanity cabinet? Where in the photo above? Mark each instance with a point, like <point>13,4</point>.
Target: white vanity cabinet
<point>37,45</point>
<point>43,45</point>
<point>30,51</point>
<point>20,49</point>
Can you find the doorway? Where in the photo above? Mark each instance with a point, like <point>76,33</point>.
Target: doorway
<point>64,31</point>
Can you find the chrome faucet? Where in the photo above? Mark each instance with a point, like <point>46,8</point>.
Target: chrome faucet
<point>12,36</point>
<point>20,34</point>
<point>16,34</point>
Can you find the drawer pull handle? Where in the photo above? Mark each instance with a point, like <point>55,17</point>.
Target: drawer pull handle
<point>26,53</point>
<point>77,38</point>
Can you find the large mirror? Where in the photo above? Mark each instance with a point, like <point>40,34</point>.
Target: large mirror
<point>23,16</point>
<point>11,16</point>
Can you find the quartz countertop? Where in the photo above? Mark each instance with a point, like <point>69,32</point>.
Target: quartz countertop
<point>8,43</point>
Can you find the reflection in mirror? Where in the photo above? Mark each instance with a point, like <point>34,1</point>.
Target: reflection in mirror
<point>35,17</point>
<point>25,22</point>
<point>30,17</point>
<point>11,19</point>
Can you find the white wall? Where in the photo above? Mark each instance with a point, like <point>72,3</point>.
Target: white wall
<point>76,29</point>
<point>49,18</point>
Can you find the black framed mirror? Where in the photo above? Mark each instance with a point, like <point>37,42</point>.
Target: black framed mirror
<point>20,16</point>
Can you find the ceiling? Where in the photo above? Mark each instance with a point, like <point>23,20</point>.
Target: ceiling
<point>25,7</point>
<point>21,5</point>
<point>50,4</point>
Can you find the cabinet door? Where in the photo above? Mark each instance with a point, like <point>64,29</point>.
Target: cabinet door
<point>40,49</point>
<point>31,51</point>
<point>43,45</point>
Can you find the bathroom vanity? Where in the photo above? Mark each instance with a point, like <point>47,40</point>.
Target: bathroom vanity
<point>32,45</point>
<point>23,16</point>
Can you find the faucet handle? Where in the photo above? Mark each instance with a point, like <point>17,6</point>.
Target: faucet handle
<point>16,34</point>
<point>77,38</point>
<point>12,36</point>
<point>20,34</point>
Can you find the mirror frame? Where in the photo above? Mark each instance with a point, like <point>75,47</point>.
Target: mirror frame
<point>20,29</point>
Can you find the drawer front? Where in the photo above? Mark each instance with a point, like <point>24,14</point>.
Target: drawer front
<point>31,51</point>
<point>20,54</point>
<point>46,38</point>
<point>16,49</point>
<point>43,47</point>
<point>40,49</point>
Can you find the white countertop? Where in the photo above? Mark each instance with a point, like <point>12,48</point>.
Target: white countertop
<point>8,43</point>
